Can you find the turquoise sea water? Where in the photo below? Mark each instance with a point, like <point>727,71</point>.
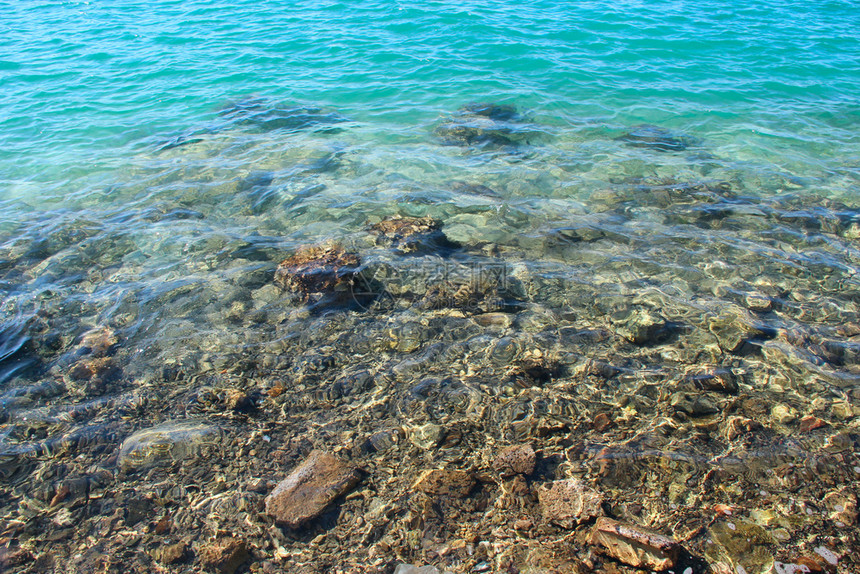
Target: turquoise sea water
<point>670,188</point>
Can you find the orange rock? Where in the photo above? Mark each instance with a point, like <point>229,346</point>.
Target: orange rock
<point>809,423</point>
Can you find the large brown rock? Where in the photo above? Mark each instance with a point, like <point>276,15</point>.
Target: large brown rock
<point>634,545</point>
<point>569,502</point>
<point>310,488</point>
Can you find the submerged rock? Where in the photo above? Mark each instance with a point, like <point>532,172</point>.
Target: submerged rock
<point>306,492</point>
<point>497,112</point>
<point>743,546</point>
<point>657,138</point>
<point>441,482</point>
<point>224,555</point>
<point>634,545</point>
<point>516,459</point>
<point>486,125</point>
<point>263,115</point>
<point>411,234</point>
<point>317,269</point>
<point>640,326</point>
<point>569,502</point>
<point>169,442</point>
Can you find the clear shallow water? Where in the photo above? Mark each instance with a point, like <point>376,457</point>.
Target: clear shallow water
<point>136,197</point>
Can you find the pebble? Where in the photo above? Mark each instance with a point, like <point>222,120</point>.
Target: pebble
<point>306,492</point>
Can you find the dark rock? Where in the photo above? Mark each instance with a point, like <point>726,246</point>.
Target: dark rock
<point>441,482</point>
<point>634,545</point>
<point>693,404</point>
<point>263,115</point>
<point>224,555</point>
<point>657,138</point>
<point>317,269</point>
<point>516,459</point>
<point>486,125</point>
<point>497,112</point>
<point>569,502</point>
<point>736,333</point>
<point>713,379</point>
<point>310,488</point>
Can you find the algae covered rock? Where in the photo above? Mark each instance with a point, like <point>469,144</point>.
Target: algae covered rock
<point>317,269</point>
<point>411,234</point>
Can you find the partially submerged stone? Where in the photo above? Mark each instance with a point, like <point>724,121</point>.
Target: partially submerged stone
<point>310,488</point>
<point>168,442</point>
<point>516,459</point>
<point>317,269</point>
<point>635,545</point>
<point>569,502</point>
<point>441,482</point>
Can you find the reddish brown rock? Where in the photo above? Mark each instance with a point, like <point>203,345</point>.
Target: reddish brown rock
<point>316,269</point>
<point>310,488</point>
<point>811,423</point>
<point>634,545</point>
<point>516,459</point>
<point>441,482</point>
<point>569,502</point>
<point>224,555</point>
<point>601,422</point>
